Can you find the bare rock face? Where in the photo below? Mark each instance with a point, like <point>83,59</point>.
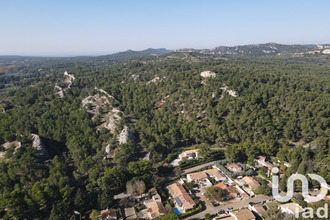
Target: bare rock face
<point>60,91</point>
<point>39,146</point>
<point>69,79</point>
<point>7,145</point>
<point>148,156</point>
<point>110,117</point>
<point>326,51</point>
<point>107,149</point>
<point>156,79</point>
<point>112,120</point>
<point>229,91</point>
<point>125,135</point>
<point>208,74</point>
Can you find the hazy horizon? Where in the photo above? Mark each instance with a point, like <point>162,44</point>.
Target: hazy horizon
<point>110,53</point>
<point>83,28</point>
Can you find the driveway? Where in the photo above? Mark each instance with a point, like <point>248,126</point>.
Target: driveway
<point>197,167</point>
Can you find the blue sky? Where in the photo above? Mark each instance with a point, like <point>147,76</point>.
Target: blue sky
<point>79,27</point>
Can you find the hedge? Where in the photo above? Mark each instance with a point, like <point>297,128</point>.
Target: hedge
<point>191,212</point>
<point>264,176</point>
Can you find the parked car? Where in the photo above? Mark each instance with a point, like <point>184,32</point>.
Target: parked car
<point>214,204</point>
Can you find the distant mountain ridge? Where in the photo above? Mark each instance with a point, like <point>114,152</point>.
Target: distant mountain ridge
<point>268,49</point>
<point>133,53</point>
<point>263,49</point>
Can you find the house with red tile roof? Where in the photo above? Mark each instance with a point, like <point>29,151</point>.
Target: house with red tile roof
<point>189,154</point>
<point>205,174</point>
<point>234,168</point>
<point>180,197</point>
<point>251,182</point>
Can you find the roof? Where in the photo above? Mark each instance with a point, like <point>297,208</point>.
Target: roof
<point>155,196</point>
<point>191,151</point>
<point>261,158</point>
<point>244,214</point>
<point>228,189</point>
<point>108,213</point>
<point>187,201</point>
<point>197,176</point>
<point>234,165</point>
<point>245,195</point>
<point>224,217</point>
<point>182,155</point>
<point>203,174</point>
<point>260,209</point>
<point>232,190</point>
<point>215,172</point>
<point>292,207</point>
<point>156,209</point>
<point>130,213</point>
<point>254,184</point>
<point>185,153</point>
<point>268,164</point>
<point>221,185</point>
<point>177,191</point>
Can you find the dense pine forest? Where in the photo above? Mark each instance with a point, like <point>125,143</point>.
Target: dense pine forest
<point>277,106</point>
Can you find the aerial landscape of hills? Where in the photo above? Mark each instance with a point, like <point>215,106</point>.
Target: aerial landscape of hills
<point>76,132</point>
<point>165,110</point>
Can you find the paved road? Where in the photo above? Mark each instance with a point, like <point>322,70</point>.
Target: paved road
<point>197,167</point>
<point>235,204</point>
<point>230,204</point>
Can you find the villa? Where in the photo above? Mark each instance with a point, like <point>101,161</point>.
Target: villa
<point>109,214</point>
<point>189,154</point>
<point>251,182</point>
<point>155,208</point>
<point>243,214</point>
<point>180,197</point>
<point>234,168</point>
<point>204,175</point>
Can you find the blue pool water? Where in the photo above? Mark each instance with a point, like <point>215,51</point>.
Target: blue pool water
<point>177,211</point>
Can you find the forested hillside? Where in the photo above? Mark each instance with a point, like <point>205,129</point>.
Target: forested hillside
<point>248,106</point>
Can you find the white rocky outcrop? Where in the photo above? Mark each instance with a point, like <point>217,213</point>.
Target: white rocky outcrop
<point>208,74</point>
<point>125,135</point>
<point>327,51</point>
<point>135,77</point>
<point>112,120</point>
<point>107,149</point>
<point>69,79</point>
<point>60,91</point>
<point>104,92</point>
<point>96,101</point>
<point>148,156</point>
<point>229,91</point>
<point>39,146</point>
<point>7,145</point>
<point>110,117</point>
<point>156,79</point>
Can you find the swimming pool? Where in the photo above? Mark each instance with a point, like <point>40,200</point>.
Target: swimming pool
<point>177,211</point>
